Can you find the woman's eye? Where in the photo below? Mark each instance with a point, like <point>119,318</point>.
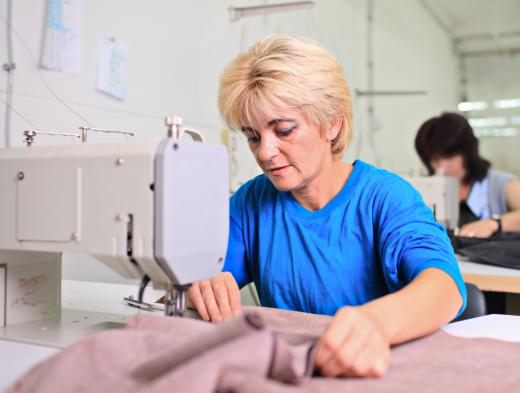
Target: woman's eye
<point>285,131</point>
<point>252,138</point>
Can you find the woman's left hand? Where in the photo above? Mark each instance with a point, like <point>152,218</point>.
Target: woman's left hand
<point>481,228</point>
<point>352,346</point>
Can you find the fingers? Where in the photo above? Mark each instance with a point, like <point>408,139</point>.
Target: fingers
<point>206,290</point>
<point>221,297</point>
<point>346,359</point>
<point>195,296</point>
<point>233,295</point>
<point>466,232</point>
<point>472,233</point>
<point>352,346</point>
<point>481,228</point>
<point>367,360</point>
<point>334,336</point>
<point>371,363</point>
<point>217,299</point>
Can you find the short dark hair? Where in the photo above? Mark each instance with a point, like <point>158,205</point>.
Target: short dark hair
<point>447,135</point>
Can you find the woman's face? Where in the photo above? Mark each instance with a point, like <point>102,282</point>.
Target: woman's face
<point>290,151</point>
<point>449,166</point>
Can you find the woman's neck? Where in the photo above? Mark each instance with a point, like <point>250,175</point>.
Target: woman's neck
<point>464,189</point>
<point>325,186</point>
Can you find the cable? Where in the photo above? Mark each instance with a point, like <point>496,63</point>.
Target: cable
<point>19,114</point>
<point>8,103</point>
<point>9,68</point>
<point>40,74</point>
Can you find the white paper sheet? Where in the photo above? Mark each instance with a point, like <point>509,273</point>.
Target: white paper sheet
<point>112,64</point>
<point>497,326</point>
<point>62,42</point>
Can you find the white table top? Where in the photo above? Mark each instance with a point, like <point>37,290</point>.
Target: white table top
<point>16,358</point>
<point>103,297</point>
<point>467,267</point>
<point>489,277</point>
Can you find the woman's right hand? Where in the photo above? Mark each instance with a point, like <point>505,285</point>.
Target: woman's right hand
<point>217,299</point>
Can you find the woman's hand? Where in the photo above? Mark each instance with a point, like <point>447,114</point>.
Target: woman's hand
<point>217,299</point>
<point>352,346</point>
<point>482,228</point>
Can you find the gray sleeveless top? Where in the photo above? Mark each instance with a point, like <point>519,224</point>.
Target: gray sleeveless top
<point>488,197</point>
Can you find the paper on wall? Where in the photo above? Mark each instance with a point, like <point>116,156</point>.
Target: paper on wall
<point>112,67</point>
<point>62,45</point>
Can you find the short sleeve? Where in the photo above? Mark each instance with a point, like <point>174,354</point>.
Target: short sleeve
<point>409,239</point>
<point>236,258</point>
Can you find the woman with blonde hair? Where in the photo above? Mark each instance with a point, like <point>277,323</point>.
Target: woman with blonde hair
<point>316,234</point>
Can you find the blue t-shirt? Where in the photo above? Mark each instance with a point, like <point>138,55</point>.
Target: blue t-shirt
<point>374,237</point>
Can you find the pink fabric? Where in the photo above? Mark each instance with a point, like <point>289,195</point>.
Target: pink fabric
<point>265,350</point>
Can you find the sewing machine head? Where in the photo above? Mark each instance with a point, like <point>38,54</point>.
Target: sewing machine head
<point>156,209</point>
<point>441,194</point>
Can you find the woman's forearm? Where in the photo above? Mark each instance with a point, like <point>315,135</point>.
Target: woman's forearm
<point>511,221</point>
<point>423,306</point>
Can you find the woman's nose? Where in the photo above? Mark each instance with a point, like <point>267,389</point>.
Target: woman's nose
<point>267,150</point>
<point>440,170</point>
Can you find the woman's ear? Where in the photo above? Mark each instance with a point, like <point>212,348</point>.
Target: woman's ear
<point>335,125</point>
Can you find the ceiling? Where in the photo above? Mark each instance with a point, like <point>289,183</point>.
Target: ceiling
<point>479,26</point>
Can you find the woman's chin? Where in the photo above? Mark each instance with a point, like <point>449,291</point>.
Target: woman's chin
<point>282,184</point>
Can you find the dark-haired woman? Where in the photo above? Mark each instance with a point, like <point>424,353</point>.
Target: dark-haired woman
<point>490,199</point>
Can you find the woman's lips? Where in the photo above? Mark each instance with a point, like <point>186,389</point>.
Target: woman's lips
<point>279,171</point>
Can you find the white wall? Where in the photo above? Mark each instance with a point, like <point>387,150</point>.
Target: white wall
<point>411,53</point>
<point>496,78</point>
<point>177,50</point>
<point>175,57</point>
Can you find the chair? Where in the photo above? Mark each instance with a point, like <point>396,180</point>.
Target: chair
<point>476,304</point>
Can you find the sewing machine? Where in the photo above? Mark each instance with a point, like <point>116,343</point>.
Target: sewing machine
<point>441,194</point>
<point>155,211</point>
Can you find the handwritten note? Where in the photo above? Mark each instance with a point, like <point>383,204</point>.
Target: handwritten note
<point>29,291</point>
<point>112,65</point>
<point>62,46</point>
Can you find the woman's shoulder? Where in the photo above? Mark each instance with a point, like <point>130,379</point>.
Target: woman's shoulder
<point>500,176</point>
<point>379,189</point>
<point>378,179</point>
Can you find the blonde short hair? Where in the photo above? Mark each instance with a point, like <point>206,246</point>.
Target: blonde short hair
<point>281,71</point>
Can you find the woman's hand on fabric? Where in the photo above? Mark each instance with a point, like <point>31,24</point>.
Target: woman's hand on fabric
<point>217,299</point>
<point>352,346</point>
<point>481,228</point>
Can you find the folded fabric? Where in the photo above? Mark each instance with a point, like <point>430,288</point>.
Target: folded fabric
<point>158,354</point>
<point>263,350</point>
<point>245,329</point>
<point>499,253</point>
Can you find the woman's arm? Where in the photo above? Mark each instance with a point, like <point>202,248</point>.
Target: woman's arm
<point>510,220</point>
<point>358,340</point>
<point>431,300</point>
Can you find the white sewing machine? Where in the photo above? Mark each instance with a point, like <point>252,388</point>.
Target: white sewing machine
<point>441,194</point>
<point>156,209</point>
